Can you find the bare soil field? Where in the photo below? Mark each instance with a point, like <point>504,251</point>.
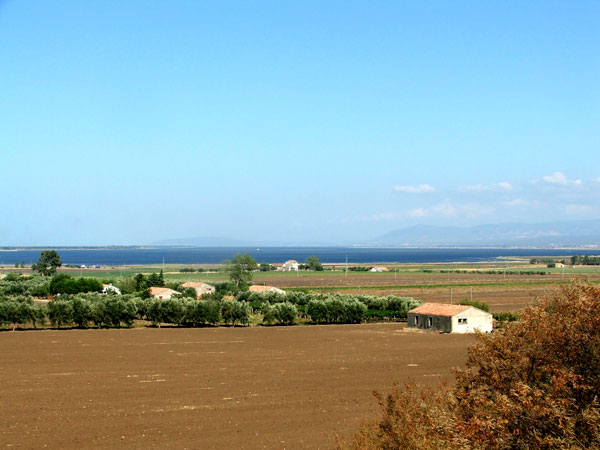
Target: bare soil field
<point>499,298</point>
<point>211,388</point>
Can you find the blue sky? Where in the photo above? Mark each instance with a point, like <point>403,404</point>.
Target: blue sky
<point>133,122</point>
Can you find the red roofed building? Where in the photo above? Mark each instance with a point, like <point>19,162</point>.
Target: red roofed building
<point>162,293</point>
<point>263,289</point>
<point>200,287</point>
<point>450,318</point>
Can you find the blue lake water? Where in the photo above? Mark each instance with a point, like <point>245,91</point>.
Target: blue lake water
<point>216,255</point>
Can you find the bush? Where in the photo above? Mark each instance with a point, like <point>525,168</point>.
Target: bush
<point>66,284</point>
<point>506,317</point>
<point>477,304</point>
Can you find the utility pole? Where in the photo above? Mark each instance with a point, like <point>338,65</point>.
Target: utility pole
<point>471,294</point>
<point>346,276</point>
<point>451,296</point>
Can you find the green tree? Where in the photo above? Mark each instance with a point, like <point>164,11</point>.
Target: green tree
<point>265,267</point>
<point>313,263</point>
<point>155,279</point>
<point>240,269</point>
<point>48,263</point>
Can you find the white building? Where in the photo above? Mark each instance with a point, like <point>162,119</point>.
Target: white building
<point>106,288</point>
<point>290,265</point>
<point>200,287</point>
<point>450,318</point>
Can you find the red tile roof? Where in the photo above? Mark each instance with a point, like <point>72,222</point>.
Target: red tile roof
<point>439,309</point>
<point>259,288</point>
<point>154,290</point>
<point>194,284</point>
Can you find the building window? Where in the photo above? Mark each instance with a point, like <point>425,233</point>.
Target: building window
<point>462,321</point>
<point>416,320</point>
<point>431,321</point>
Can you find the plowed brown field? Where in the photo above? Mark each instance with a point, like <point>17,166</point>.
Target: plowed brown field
<point>224,388</point>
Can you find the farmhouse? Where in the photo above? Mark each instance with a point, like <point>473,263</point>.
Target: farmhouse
<point>263,289</point>
<point>450,318</point>
<point>290,265</point>
<point>379,269</point>
<point>162,293</point>
<point>200,287</point>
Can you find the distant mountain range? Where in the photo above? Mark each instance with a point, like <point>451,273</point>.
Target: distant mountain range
<point>555,234</point>
<point>202,241</point>
<point>582,233</point>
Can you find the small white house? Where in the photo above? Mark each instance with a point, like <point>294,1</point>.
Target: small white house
<point>450,318</point>
<point>106,288</point>
<point>290,265</point>
<point>200,287</point>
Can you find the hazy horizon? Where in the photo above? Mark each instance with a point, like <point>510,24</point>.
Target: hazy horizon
<point>337,122</point>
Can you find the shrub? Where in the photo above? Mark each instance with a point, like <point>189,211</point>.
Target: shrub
<point>66,284</point>
<point>506,317</point>
<point>477,304</point>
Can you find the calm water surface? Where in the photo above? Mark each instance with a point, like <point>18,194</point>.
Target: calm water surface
<point>216,255</point>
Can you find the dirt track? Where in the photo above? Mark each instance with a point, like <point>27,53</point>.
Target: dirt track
<point>225,388</point>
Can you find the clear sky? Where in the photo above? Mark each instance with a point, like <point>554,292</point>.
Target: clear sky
<point>130,122</point>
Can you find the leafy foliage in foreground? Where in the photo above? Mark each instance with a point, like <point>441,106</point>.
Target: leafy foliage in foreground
<point>534,385</point>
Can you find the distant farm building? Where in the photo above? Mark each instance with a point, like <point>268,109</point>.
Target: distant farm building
<point>162,293</point>
<point>263,289</point>
<point>379,269</point>
<point>560,265</point>
<point>450,318</point>
<point>290,265</point>
<point>106,288</point>
<point>201,288</point>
